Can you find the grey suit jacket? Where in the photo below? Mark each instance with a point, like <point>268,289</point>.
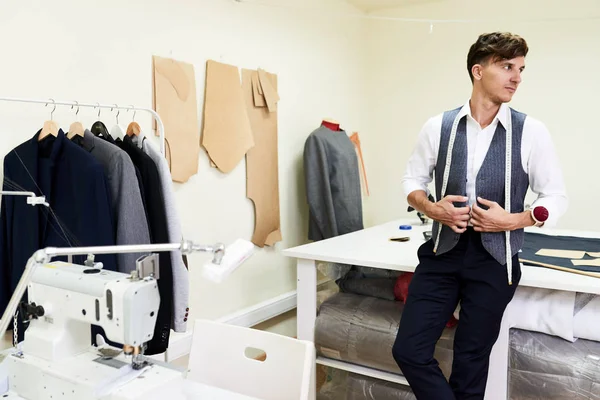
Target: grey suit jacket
<point>332,181</point>
<point>333,194</point>
<point>181,280</point>
<point>128,210</point>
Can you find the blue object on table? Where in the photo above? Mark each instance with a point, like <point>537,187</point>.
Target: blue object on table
<point>405,227</point>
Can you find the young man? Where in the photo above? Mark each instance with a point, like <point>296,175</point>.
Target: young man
<point>475,152</point>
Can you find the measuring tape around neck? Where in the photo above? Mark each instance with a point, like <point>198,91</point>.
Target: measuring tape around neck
<point>507,190</point>
<point>507,184</point>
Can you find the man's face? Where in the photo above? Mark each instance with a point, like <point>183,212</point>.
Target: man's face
<point>500,79</point>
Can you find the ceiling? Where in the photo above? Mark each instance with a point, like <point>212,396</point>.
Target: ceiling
<point>374,5</point>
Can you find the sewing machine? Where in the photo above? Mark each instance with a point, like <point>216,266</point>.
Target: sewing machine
<point>56,359</point>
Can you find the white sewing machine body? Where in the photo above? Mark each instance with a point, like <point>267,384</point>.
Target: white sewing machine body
<point>57,361</point>
<point>74,297</point>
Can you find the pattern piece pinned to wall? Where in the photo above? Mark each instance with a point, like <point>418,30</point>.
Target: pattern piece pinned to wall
<point>267,89</point>
<point>257,92</point>
<point>226,135</point>
<point>174,99</point>
<point>356,140</point>
<point>262,160</point>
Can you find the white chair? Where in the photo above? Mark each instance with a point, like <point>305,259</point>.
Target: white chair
<point>219,358</point>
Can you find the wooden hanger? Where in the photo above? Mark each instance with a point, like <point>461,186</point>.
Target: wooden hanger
<point>76,128</point>
<point>133,128</point>
<point>50,127</point>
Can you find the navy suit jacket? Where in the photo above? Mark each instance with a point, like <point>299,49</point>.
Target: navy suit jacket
<point>79,214</point>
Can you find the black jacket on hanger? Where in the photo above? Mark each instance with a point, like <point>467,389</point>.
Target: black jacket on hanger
<point>99,129</point>
<point>79,214</point>
<point>157,222</point>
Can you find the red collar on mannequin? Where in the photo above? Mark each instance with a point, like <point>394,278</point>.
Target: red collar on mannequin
<point>331,125</point>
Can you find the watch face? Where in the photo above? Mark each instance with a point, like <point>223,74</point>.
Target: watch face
<point>540,213</point>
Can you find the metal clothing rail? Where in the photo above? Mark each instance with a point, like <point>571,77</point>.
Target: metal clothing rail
<point>44,256</point>
<point>32,198</point>
<point>161,127</point>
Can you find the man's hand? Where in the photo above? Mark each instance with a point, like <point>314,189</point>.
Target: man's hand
<point>446,213</point>
<point>494,219</point>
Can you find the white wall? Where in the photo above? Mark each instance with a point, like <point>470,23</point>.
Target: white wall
<point>415,75</point>
<point>101,52</point>
<point>381,78</point>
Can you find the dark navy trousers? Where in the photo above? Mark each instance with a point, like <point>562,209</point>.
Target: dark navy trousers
<point>469,274</point>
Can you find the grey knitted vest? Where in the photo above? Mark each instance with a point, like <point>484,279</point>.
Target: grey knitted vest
<point>489,184</point>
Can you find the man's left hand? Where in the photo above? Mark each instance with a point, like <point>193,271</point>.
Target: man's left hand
<point>494,219</point>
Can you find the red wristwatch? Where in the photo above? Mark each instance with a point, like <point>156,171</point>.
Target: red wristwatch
<point>540,215</point>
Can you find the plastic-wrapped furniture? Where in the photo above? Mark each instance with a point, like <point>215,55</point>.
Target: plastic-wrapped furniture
<point>362,330</point>
<point>550,368</point>
<point>343,385</point>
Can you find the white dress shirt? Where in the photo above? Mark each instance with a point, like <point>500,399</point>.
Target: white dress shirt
<point>538,157</point>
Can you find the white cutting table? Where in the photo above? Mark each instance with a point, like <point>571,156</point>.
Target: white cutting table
<point>159,382</point>
<point>189,391</point>
<point>371,247</point>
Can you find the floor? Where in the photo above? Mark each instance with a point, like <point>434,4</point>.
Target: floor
<point>6,341</point>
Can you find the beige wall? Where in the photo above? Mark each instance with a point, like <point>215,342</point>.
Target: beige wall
<point>382,78</point>
<point>101,52</point>
<point>415,74</point>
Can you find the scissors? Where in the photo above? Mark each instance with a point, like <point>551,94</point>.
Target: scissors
<point>400,239</point>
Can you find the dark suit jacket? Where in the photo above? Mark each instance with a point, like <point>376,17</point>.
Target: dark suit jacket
<point>80,211</point>
<point>157,222</point>
<point>131,222</point>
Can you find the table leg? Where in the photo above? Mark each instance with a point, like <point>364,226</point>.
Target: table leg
<point>306,311</point>
<point>497,382</point>
<point>307,299</point>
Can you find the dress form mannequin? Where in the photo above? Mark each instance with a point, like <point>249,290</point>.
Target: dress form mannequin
<point>333,187</point>
<point>331,124</point>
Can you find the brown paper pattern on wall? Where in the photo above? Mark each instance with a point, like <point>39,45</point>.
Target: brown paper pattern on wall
<point>270,93</point>
<point>226,135</point>
<point>174,99</point>
<point>365,183</point>
<point>262,160</point>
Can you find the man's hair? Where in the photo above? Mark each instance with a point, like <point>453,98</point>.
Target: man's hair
<point>496,46</point>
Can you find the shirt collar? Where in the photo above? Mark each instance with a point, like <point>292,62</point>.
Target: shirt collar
<point>501,116</point>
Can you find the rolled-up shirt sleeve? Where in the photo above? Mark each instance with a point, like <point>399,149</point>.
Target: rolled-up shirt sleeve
<point>545,174</point>
<point>421,163</point>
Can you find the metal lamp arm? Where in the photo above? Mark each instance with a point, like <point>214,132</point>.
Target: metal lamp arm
<point>44,256</point>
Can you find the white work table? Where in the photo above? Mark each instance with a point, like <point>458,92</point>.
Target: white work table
<point>159,382</point>
<point>189,391</point>
<point>371,247</point>
<point>184,390</point>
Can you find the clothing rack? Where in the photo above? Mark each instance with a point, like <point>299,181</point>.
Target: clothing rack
<point>32,198</point>
<point>160,126</point>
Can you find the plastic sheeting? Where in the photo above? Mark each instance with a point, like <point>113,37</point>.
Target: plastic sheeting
<point>342,385</point>
<point>550,368</point>
<point>362,330</point>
